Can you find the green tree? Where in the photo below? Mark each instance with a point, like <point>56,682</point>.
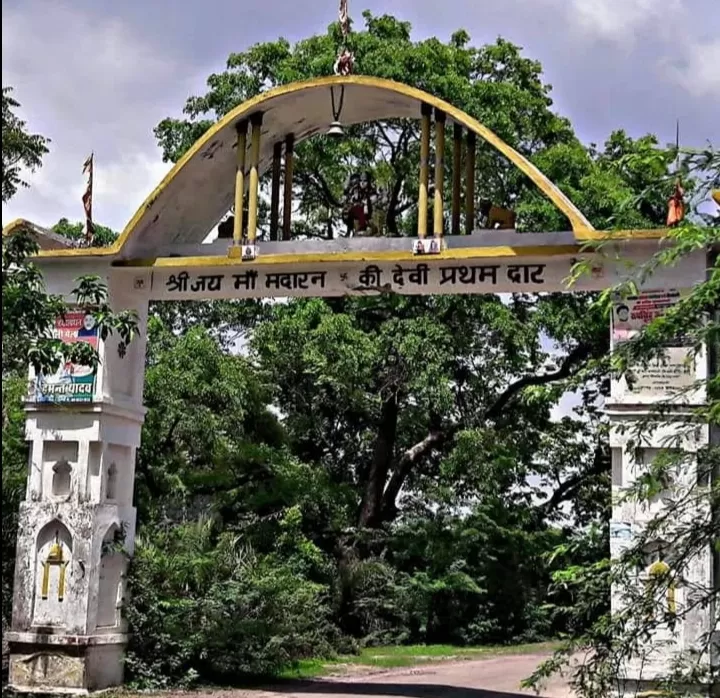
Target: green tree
<point>412,406</point>
<point>29,313</point>
<point>358,472</point>
<point>494,83</point>
<point>503,89</point>
<point>102,235</point>
<point>224,507</point>
<point>20,149</point>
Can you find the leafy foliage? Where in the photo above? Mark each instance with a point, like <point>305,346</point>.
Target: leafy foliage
<point>218,610</point>
<point>102,235</point>
<point>20,149</point>
<point>494,83</point>
<point>29,314</point>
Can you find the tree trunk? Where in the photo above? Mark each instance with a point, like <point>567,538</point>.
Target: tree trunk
<point>391,217</point>
<point>371,508</point>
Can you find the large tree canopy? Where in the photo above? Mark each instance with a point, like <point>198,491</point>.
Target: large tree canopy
<point>380,392</point>
<point>494,83</point>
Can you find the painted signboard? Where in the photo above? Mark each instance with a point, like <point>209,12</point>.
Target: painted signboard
<point>71,382</point>
<point>674,370</point>
<point>226,278</point>
<point>335,280</point>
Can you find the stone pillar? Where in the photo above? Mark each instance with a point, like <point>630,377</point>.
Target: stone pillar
<point>681,386</point>
<point>77,523</point>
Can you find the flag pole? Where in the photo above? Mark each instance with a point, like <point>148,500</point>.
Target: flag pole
<point>88,167</point>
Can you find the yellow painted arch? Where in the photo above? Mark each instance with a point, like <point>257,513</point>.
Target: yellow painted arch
<point>577,220</point>
<point>394,100</point>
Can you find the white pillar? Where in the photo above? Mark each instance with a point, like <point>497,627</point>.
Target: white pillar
<point>77,524</point>
<point>632,402</point>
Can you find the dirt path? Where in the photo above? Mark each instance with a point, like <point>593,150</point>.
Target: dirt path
<point>487,678</point>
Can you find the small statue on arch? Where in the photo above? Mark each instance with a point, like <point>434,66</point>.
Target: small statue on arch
<point>359,200</point>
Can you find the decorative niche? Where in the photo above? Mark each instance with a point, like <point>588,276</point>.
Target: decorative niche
<point>59,459</point>
<point>53,582</point>
<point>111,580</point>
<point>111,485</point>
<point>61,480</point>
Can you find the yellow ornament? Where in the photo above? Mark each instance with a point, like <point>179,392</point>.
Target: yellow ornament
<point>659,569</point>
<point>54,559</point>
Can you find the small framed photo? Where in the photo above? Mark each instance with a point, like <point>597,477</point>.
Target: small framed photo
<point>423,246</point>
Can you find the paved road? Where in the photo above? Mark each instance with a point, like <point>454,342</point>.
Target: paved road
<point>487,678</point>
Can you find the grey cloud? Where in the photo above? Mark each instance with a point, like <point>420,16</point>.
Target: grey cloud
<point>98,75</point>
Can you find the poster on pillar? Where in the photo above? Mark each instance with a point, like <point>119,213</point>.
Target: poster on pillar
<point>71,382</point>
<point>673,371</point>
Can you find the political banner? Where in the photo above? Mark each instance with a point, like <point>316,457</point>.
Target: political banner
<point>671,372</point>
<point>631,315</point>
<point>71,382</point>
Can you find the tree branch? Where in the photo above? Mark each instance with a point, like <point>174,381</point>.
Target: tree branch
<point>371,507</point>
<point>391,145</point>
<point>579,354</point>
<point>568,488</point>
<point>437,436</point>
<point>434,439</point>
<point>325,188</point>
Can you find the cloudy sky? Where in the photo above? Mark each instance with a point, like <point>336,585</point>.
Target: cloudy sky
<point>98,75</point>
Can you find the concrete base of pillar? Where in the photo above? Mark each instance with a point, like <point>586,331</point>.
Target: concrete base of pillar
<point>65,664</point>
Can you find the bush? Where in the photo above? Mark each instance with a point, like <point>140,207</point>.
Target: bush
<point>14,476</point>
<point>202,605</point>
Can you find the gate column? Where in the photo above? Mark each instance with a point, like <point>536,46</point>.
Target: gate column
<point>77,524</point>
<point>682,625</point>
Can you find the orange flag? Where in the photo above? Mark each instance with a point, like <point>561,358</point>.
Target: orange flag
<point>676,206</point>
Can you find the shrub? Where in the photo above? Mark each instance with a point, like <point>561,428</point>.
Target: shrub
<point>204,605</point>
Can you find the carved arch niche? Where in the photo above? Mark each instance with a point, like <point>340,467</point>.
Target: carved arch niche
<point>111,587</point>
<point>658,559</point>
<point>59,457</point>
<point>53,559</point>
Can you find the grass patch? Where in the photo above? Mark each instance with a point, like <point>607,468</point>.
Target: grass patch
<point>405,656</point>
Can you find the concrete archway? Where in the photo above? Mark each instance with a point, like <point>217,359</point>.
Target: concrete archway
<point>205,174</point>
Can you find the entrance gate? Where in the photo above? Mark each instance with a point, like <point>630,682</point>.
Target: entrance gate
<point>68,633</point>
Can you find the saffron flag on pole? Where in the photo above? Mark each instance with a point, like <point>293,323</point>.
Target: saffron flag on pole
<point>676,205</point>
<point>87,199</point>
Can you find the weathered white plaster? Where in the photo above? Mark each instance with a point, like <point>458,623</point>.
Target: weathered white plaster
<point>78,523</point>
<point>637,436</point>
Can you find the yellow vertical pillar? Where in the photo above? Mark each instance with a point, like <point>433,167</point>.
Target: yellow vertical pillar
<point>439,173</point>
<point>288,185</point>
<point>457,179</point>
<point>240,181</point>
<point>275,192</point>
<point>470,184</point>
<point>425,112</point>
<point>256,121</point>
